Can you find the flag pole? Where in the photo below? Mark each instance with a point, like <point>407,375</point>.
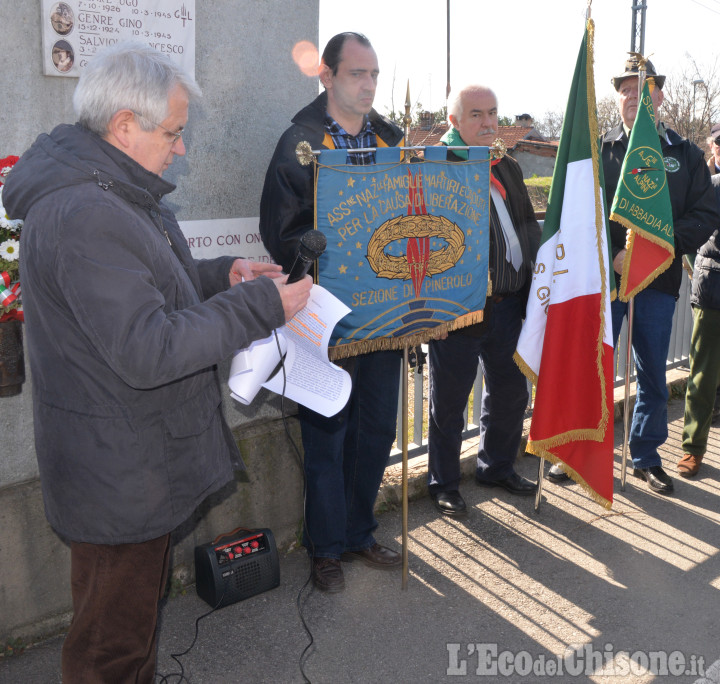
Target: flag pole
<point>404,384</point>
<point>404,427</point>
<point>540,480</point>
<point>630,318</point>
<point>626,405</point>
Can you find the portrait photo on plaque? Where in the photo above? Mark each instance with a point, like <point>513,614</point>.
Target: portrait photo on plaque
<point>62,18</point>
<point>63,56</point>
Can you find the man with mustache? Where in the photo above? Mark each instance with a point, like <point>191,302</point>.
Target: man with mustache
<point>514,241</point>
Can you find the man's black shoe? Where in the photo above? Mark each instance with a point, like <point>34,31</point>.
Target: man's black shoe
<point>557,474</point>
<point>327,575</point>
<point>514,483</point>
<point>656,477</point>
<point>377,556</point>
<point>450,503</point>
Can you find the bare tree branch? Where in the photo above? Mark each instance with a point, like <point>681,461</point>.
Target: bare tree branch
<point>692,100</point>
<point>551,125</point>
<point>608,114</point>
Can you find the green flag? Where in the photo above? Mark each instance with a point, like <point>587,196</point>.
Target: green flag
<point>642,205</point>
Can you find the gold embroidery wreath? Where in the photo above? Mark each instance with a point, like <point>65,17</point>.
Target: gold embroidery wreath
<point>388,266</point>
<point>303,153</point>
<point>498,149</point>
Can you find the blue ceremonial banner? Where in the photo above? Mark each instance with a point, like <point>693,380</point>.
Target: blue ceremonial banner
<point>407,245</point>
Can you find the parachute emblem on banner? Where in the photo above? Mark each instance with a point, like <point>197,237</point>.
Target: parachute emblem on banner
<point>418,227</point>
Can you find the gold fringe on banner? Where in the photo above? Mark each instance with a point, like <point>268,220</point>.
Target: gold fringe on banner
<point>355,348</point>
<point>634,232</point>
<point>572,474</point>
<point>599,223</point>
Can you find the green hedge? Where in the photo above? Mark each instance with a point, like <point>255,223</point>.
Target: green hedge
<point>539,190</point>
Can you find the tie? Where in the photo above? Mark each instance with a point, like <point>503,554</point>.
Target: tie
<point>513,251</point>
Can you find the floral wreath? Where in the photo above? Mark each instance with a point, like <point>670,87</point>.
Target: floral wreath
<point>10,304</point>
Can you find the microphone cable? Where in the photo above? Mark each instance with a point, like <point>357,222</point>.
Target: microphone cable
<point>179,677</point>
<point>165,678</point>
<point>299,603</point>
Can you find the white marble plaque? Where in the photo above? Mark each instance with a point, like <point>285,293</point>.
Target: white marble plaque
<point>238,237</point>
<point>74,31</point>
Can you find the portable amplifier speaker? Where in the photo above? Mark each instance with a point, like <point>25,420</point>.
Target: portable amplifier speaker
<point>236,566</point>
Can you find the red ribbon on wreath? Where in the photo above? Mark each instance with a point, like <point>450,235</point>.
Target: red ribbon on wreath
<point>8,295</point>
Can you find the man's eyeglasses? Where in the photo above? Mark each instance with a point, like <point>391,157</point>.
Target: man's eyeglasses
<point>175,134</point>
<point>717,140</point>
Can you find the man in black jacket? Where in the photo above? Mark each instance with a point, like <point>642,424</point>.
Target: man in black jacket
<point>514,241</point>
<point>695,216</point>
<point>346,454</point>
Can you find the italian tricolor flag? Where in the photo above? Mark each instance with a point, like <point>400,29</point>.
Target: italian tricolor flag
<point>565,347</point>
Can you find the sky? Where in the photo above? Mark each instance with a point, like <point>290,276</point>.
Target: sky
<point>525,50</point>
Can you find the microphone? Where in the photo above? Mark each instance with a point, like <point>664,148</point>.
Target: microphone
<point>312,245</point>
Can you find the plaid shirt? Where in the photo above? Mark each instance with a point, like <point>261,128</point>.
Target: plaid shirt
<point>344,141</point>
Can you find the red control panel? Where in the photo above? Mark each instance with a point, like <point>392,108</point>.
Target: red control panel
<point>240,547</point>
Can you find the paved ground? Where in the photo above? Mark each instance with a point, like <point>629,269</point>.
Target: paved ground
<point>569,580</point>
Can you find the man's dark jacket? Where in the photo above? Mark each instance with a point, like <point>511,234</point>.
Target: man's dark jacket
<point>124,329</point>
<point>287,204</point>
<point>521,211</point>
<point>694,210</point>
<point>706,271</point>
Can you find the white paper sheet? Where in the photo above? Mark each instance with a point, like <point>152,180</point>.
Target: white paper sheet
<point>310,378</point>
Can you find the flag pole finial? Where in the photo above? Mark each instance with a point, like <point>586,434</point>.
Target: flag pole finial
<point>642,69</point>
<point>407,119</point>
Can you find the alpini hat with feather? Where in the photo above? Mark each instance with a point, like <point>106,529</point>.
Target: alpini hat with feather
<point>632,67</point>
